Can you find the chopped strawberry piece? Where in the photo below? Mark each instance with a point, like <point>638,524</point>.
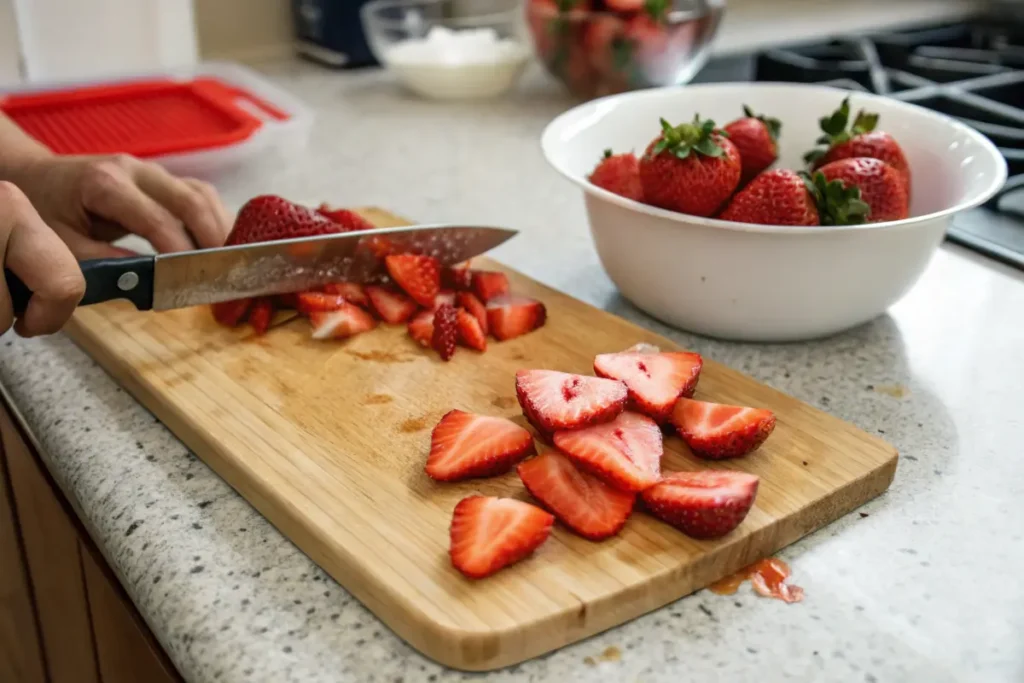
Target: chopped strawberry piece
<point>488,533</point>
<point>474,306</point>
<point>625,453</point>
<point>421,327</point>
<point>642,347</point>
<point>554,400</point>
<point>419,276</point>
<point>715,431</point>
<point>318,302</point>
<point>457,278</point>
<point>392,307</point>
<point>378,245</point>
<point>706,504</point>
<point>353,292</point>
<point>446,331</point>
<point>489,284</point>
<point>470,333</point>
<point>445,296</point>
<point>350,221</point>
<point>261,314</point>
<point>344,322</point>
<point>232,313</point>
<point>509,317</point>
<point>579,500</point>
<point>654,380</point>
<point>464,445</point>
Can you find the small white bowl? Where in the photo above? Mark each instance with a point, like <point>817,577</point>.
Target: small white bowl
<point>769,283</point>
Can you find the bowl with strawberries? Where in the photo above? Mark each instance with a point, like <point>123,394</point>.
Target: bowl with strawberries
<point>768,211</point>
<point>601,47</point>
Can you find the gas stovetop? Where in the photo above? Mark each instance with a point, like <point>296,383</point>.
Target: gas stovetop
<point>972,71</point>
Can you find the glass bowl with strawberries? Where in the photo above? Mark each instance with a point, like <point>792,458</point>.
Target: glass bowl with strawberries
<point>601,47</point>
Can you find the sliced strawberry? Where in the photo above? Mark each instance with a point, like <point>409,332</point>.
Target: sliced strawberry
<point>625,453</point>
<point>350,221</point>
<point>509,317</point>
<point>579,500</point>
<point>654,380</point>
<point>232,313</point>
<point>716,431</point>
<point>464,445</point>
<point>469,330</point>
<point>318,302</point>
<point>421,327</point>
<point>345,322</point>
<point>353,292</point>
<point>419,276</point>
<point>446,331</point>
<point>475,308</point>
<point>445,296</point>
<point>392,307</point>
<point>642,347</point>
<point>490,533</point>
<point>457,278</point>
<point>555,400</point>
<point>261,314</point>
<point>489,284</point>
<point>706,504</point>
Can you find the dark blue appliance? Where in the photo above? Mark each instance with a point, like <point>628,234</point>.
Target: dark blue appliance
<point>330,32</point>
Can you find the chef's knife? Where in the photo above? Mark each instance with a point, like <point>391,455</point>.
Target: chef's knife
<point>210,276</point>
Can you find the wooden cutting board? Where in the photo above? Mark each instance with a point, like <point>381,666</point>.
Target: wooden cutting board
<point>328,441</point>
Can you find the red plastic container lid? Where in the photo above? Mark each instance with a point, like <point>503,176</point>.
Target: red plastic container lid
<point>149,118</point>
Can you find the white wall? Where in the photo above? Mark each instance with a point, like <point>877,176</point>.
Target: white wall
<point>9,50</point>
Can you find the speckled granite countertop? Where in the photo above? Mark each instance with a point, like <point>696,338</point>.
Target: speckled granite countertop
<point>922,585</point>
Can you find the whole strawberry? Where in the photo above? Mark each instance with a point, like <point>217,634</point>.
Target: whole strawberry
<point>269,218</point>
<point>861,140</point>
<point>619,173</point>
<point>691,168</point>
<point>779,197</point>
<point>756,137</point>
<point>881,186</point>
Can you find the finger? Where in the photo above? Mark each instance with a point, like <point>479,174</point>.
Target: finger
<point>109,190</point>
<point>85,248</point>
<point>38,256</point>
<point>184,201</point>
<point>224,218</point>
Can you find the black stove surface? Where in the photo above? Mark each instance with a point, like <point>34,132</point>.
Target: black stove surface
<point>972,70</point>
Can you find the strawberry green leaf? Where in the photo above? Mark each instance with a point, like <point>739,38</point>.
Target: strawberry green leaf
<point>656,8</point>
<point>681,152</point>
<point>708,147</point>
<point>864,123</point>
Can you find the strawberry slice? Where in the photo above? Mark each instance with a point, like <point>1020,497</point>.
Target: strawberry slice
<point>446,331</point>
<point>706,504</point>
<point>418,275</point>
<point>392,307</point>
<point>509,317</point>
<point>554,400</point>
<point>625,453</point>
<point>475,307</point>
<point>232,313</point>
<point>579,500</point>
<point>715,431</point>
<point>421,327</point>
<point>445,296</point>
<point>352,291</point>
<point>654,380</point>
<point>261,314</point>
<point>469,330</point>
<point>345,322</point>
<point>490,533</point>
<point>464,445</point>
<point>489,284</point>
<point>349,221</point>
<point>457,278</point>
<point>318,302</point>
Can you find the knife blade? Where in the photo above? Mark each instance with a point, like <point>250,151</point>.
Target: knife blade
<point>211,276</point>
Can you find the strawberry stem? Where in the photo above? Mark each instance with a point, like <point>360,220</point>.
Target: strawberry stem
<point>773,125</point>
<point>837,204</point>
<point>835,132</point>
<point>681,140</point>
<point>656,8</point>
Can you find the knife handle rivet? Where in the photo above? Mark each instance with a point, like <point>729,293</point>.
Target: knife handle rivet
<point>128,281</point>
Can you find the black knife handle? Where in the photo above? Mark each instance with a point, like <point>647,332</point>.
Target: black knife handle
<point>105,280</point>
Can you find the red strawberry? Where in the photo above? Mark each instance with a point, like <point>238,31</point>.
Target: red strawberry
<point>513,316</point>
<point>654,380</point>
<point>232,313</point>
<point>606,47</point>
<point>625,453</point>
<point>555,400</point>
<point>715,431</point>
<point>318,302</point>
<point>469,330</point>
<point>647,47</point>
<point>268,218</point>
<point>690,168</point>
<point>756,137</point>
<point>464,445</point>
<point>619,173</point>
<point>353,292</point>
<point>349,221</point>
<point>579,500</point>
<point>446,331</point>
<point>261,314</point>
<point>489,284</point>
<point>392,307</point>
<point>472,304</point>
<point>706,504</point>
<point>290,300</point>
<point>445,296</point>
<point>490,533</point>
<point>421,327</point>
<point>625,5</point>
<point>457,278</point>
<point>419,276</point>
<point>347,321</point>
<point>779,197</point>
<point>881,186</point>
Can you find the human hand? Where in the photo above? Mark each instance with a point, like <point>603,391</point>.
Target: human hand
<point>90,201</point>
<point>44,263</point>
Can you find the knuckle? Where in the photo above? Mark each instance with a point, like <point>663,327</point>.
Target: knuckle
<point>103,177</point>
<point>69,286</point>
<point>122,161</point>
<point>11,195</point>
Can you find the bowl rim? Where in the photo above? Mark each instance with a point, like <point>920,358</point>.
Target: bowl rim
<point>369,13</point>
<point>548,140</point>
<point>673,15</point>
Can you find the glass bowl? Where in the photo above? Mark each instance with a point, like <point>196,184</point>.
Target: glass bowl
<point>441,53</point>
<point>601,52</point>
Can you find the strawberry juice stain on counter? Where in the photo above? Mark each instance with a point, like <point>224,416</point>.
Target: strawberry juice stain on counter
<point>768,576</point>
<point>378,399</point>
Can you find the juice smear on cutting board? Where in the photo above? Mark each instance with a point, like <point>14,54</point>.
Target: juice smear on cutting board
<point>768,577</point>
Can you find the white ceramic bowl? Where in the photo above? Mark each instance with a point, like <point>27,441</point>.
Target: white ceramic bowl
<point>769,283</point>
